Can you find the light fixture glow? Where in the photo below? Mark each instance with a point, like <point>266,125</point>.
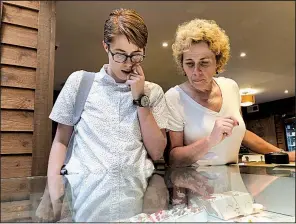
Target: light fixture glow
<point>247,100</point>
<point>245,91</point>
<point>247,97</point>
<point>243,54</point>
<point>165,44</point>
<point>286,91</point>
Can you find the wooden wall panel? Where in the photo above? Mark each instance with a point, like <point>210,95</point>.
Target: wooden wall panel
<point>264,128</point>
<point>18,77</point>
<point>25,4</point>
<point>44,88</point>
<point>13,120</point>
<point>20,36</point>
<point>16,210</point>
<point>15,189</point>
<point>16,143</point>
<point>16,166</point>
<point>12,98</point>
<point>19,16</point>
<point>27,71</point>
<point>14,55</point>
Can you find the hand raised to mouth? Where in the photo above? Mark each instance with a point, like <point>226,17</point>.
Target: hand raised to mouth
<point>136,80</point>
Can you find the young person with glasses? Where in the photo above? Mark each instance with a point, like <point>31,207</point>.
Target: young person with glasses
<point>123,122</point>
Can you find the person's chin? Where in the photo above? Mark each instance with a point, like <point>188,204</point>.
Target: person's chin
<point>121,77</point>
<point>198,85</point>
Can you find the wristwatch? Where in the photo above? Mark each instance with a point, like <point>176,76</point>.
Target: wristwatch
<point>142,102</point>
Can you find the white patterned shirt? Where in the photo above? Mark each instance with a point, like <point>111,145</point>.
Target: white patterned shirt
<point>108,135</point>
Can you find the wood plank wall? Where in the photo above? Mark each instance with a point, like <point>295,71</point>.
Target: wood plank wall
<point>27,71</point>
<point>19,35</point>
<point>27,67</point>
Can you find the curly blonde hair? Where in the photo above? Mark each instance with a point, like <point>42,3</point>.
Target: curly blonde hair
<point>198,30</point>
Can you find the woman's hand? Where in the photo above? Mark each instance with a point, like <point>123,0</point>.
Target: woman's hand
<point>222,129</point>
<point>192,180</point>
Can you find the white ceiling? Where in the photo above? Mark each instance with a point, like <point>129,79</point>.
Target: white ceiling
<point>264,30</point>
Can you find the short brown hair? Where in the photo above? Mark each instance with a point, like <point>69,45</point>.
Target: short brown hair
<point>201,30</point>
<point>129,23</point>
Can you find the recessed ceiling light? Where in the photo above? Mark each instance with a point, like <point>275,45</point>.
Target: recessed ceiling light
<point>165,44</point>
<point>286,91</point>
<point>243,54</point>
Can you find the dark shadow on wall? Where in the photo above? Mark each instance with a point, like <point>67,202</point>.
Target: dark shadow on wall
<point>54,124</point>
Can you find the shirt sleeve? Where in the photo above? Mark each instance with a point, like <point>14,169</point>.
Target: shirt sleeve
<point>63,109</point>
<point>159,107</point>
<point>175,120</point>
<point>237,93</point>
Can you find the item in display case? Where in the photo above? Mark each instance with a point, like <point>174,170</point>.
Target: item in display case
<point>177,214</point>
<point>265,216</point>
<point>228,205</point>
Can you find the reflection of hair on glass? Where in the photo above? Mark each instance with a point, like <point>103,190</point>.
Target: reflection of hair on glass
<point>199,30</point>
<point>126,22</point>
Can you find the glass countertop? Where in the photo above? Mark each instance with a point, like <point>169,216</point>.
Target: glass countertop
<point>230,193</point>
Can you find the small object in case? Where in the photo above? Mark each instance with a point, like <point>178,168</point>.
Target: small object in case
<point>277,158</point>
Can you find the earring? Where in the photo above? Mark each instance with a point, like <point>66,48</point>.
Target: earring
<point>217,74</point>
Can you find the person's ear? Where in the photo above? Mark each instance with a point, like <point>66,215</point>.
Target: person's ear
<point>105,46</point>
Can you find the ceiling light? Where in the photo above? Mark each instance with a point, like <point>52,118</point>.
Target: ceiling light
<point>286,91</point>
<point>165,44</point>
<point>243,54</point>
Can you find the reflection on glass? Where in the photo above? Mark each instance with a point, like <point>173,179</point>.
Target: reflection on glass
<point>191,194</point>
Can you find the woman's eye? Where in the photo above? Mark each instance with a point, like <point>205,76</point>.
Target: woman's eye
<point>204,63</point>
<point>190,65</point>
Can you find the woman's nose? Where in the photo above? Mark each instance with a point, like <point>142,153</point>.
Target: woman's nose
<point>196,70</point>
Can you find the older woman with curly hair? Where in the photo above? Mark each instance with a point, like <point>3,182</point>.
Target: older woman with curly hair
<point>205,122</point>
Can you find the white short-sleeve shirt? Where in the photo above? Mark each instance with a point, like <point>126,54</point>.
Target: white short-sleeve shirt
<point>108,135</point>
<point>197,121</point>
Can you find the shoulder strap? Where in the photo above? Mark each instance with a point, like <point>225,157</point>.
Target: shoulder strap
<point>83,91</point>
<point>82,94</point>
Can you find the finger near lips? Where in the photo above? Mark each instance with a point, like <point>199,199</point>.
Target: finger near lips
<point>134,78</point>
<point>129,82</point>
<point>139,69</point>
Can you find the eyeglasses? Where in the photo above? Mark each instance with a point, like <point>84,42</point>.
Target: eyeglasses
<point>121,58</point>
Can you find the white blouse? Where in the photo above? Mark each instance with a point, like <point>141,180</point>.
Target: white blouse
<point>197,121</point>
